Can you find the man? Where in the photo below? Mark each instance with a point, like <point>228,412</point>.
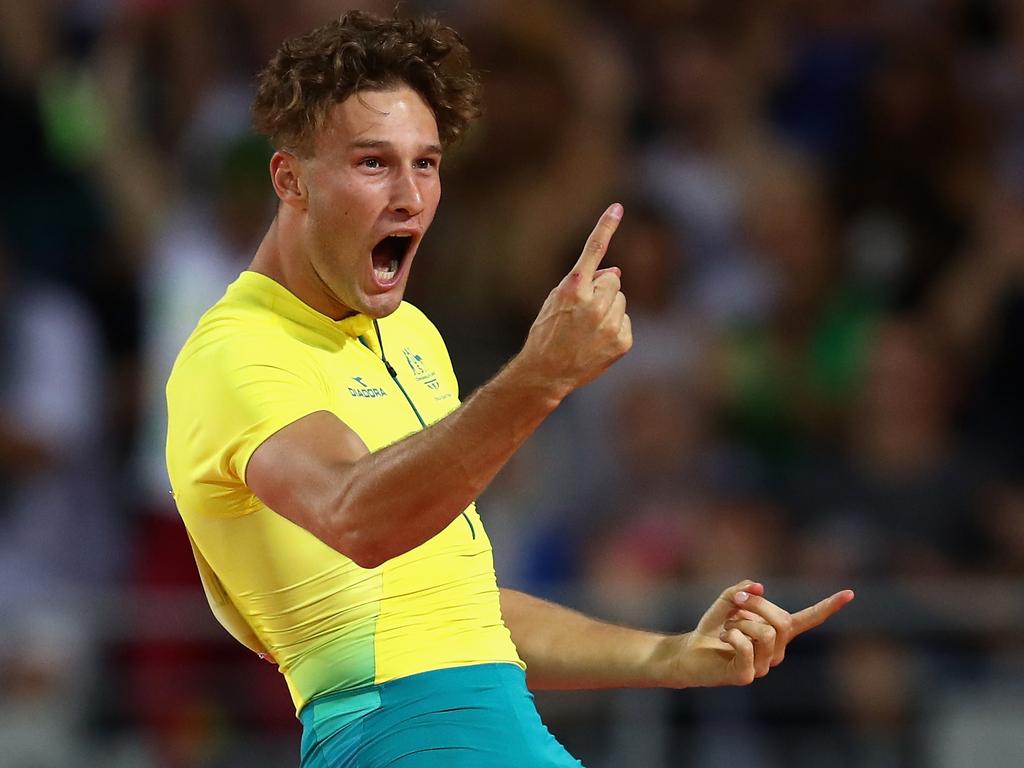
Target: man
<point>326,472</point>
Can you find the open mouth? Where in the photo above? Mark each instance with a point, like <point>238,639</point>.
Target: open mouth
<point>388,255</point>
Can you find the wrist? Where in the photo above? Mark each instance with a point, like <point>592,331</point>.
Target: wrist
<point>670,662</point>
<point>524,377</point>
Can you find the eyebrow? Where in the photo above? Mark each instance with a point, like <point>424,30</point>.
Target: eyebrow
<point>434,149</point>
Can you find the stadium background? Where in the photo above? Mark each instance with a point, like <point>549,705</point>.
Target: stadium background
<point>823,252</point>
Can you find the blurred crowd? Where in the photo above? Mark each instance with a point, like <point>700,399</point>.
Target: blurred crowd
<point>823,253</point>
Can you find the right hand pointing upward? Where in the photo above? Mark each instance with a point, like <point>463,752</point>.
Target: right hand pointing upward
<point>582,328</point>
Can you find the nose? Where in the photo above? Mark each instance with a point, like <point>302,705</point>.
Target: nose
<point>406,195</point>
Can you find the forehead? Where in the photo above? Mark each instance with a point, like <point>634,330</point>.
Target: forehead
<point>397,116</point>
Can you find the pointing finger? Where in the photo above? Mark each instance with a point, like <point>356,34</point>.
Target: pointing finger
<point>819,613</point>
<point>597,244</point>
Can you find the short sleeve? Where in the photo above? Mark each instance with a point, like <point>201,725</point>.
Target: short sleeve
<point>225,400</point>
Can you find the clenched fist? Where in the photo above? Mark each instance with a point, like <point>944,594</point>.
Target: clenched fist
<point>582,328</point>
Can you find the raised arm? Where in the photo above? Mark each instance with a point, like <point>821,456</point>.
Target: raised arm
<point>374,506</point>
<point>738,639</point>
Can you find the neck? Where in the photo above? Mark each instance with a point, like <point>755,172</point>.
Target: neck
<point>270,258</point>
<point>279,257</point>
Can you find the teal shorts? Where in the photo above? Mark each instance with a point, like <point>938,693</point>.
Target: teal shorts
<point>467,717</point>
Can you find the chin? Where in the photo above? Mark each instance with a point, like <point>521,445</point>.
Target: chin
<point>382,305</point>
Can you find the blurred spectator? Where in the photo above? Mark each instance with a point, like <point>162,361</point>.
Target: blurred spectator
<point>875,683</point>
<point>897,502</point>
<point>58,540</point>
<point>900,184</point>
<point>658,510</point>
<point>785,381</point>
<point>814,102</point>
<point>1001,519</point>
<point>65,248</point>
<point>57,513</point>
<point>978,307</point>
<point>707,144</point>
<point>677,510</point>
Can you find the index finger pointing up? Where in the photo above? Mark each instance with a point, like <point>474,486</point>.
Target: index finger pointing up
<point>597,243</point>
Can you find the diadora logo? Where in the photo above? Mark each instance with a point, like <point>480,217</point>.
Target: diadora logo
<point>419,369</point>
<point>364,389</point>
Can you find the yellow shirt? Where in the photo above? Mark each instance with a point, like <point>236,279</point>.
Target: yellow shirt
<point>259,360</point>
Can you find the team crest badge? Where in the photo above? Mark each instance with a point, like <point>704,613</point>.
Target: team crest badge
<point>420,370</point>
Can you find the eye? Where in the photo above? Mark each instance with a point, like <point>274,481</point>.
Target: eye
<point>425,163</point>
<point>372,163</point>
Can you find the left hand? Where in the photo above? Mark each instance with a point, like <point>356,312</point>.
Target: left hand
<point>740,637</point>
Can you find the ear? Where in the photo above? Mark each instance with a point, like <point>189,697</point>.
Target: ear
<point>286,176</point>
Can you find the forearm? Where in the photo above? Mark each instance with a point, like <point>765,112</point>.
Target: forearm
<point>318,473</point>
<point>564,649</point>
<point>399,497</point>
<point>738,639</point>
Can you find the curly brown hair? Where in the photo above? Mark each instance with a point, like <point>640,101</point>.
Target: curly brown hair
<point>311,73</point>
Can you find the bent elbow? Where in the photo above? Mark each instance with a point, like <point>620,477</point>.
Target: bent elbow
<point>359,547</point>
<point>368,558</point>
<point>368,562</point>
<point>347,532</point>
